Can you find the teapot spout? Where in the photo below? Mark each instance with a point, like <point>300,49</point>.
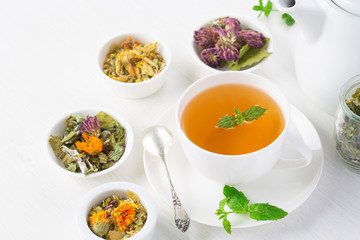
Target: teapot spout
<point>307,13</point>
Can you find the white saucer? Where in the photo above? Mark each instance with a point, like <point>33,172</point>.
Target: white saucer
<point>286,189</point>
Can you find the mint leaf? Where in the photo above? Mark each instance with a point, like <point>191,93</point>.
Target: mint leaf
<point>227,122</point>
<point>268,8</point>
<point>222,204</point>
<point>239,204</point>
<point>253,113</point>
<point>265,211</point>
<point>227,225</point>
<point>288,19</point>
<point>236,200</point>
<point>261,4</point>
<point>257,8</point>
<point>239,117</point>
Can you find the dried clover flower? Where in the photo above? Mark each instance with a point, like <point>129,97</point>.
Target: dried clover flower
<point>205,37</point>
<point>210,57</point>
<point>231,25</point>
<point>252,38</point>
<point>226,46</point>
<point>90,126</point>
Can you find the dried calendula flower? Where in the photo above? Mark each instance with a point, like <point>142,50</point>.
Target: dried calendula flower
<point>124,215</point>
<point>132,62</point>
<point>92,145</point>
<point>99,223</point>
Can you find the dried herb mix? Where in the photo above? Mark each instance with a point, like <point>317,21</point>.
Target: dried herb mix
<point>133,62</point>
<point>116,218</point>
<point>89,144</point>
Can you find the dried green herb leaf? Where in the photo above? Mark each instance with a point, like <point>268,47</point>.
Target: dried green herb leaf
<point>117,153</point>
<point>107,165</point>
<point>234,66</point>
<point>105,120</point>
<point>68,136</point>
<point>73,120</point>
<point>100,228</point>
<point>119,131</point>
<point>102,157</point>
<point>133,196</point>
<point>112,142</point>
<point>252,57</point>
<point>55,143</point>
<point>71,167</point>
<point>67,159</point>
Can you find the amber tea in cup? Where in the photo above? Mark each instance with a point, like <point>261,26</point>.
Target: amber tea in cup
<point>248,151</point>
<point>202,113</point>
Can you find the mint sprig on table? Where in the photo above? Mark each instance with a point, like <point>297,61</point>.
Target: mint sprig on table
<point>267,9</point>
<point>252,113</point>
<point>239,204</point>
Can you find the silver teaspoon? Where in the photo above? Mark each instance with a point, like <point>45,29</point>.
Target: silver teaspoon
<point>158,140</point>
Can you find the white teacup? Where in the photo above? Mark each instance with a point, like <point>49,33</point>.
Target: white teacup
<point>240,169</point>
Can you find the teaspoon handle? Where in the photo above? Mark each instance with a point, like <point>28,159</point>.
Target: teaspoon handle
<point>182,219</point>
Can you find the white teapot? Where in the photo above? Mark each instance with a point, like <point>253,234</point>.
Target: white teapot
<point>328,51</point>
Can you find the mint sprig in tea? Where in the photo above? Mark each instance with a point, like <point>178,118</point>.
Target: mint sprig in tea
<point>252,113</point>
<point>209,119</point>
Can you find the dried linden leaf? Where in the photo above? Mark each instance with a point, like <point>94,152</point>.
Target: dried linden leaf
<point>252,57</point>
<point>133,196</point>
<point>105,120</point>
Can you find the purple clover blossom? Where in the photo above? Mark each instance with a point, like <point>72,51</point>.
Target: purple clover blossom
<point>228,52</point>
<point>90,126</point>
<point>252,38</point>
<point>205,37</point>
<point>226,46</point>
<point>231,25</point>
<point>211,58</point>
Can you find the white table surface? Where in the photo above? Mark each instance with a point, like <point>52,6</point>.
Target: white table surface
<point>48,53</point>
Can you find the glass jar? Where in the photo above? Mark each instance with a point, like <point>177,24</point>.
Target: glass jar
<point>347,127</point>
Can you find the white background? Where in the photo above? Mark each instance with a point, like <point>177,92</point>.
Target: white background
<point>48,53</point>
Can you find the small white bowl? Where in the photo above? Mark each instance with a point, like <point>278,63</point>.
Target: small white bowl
<point>246,22</point>
<point>140,89</point>
<point>59,128</point>
<point>96,195</point>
